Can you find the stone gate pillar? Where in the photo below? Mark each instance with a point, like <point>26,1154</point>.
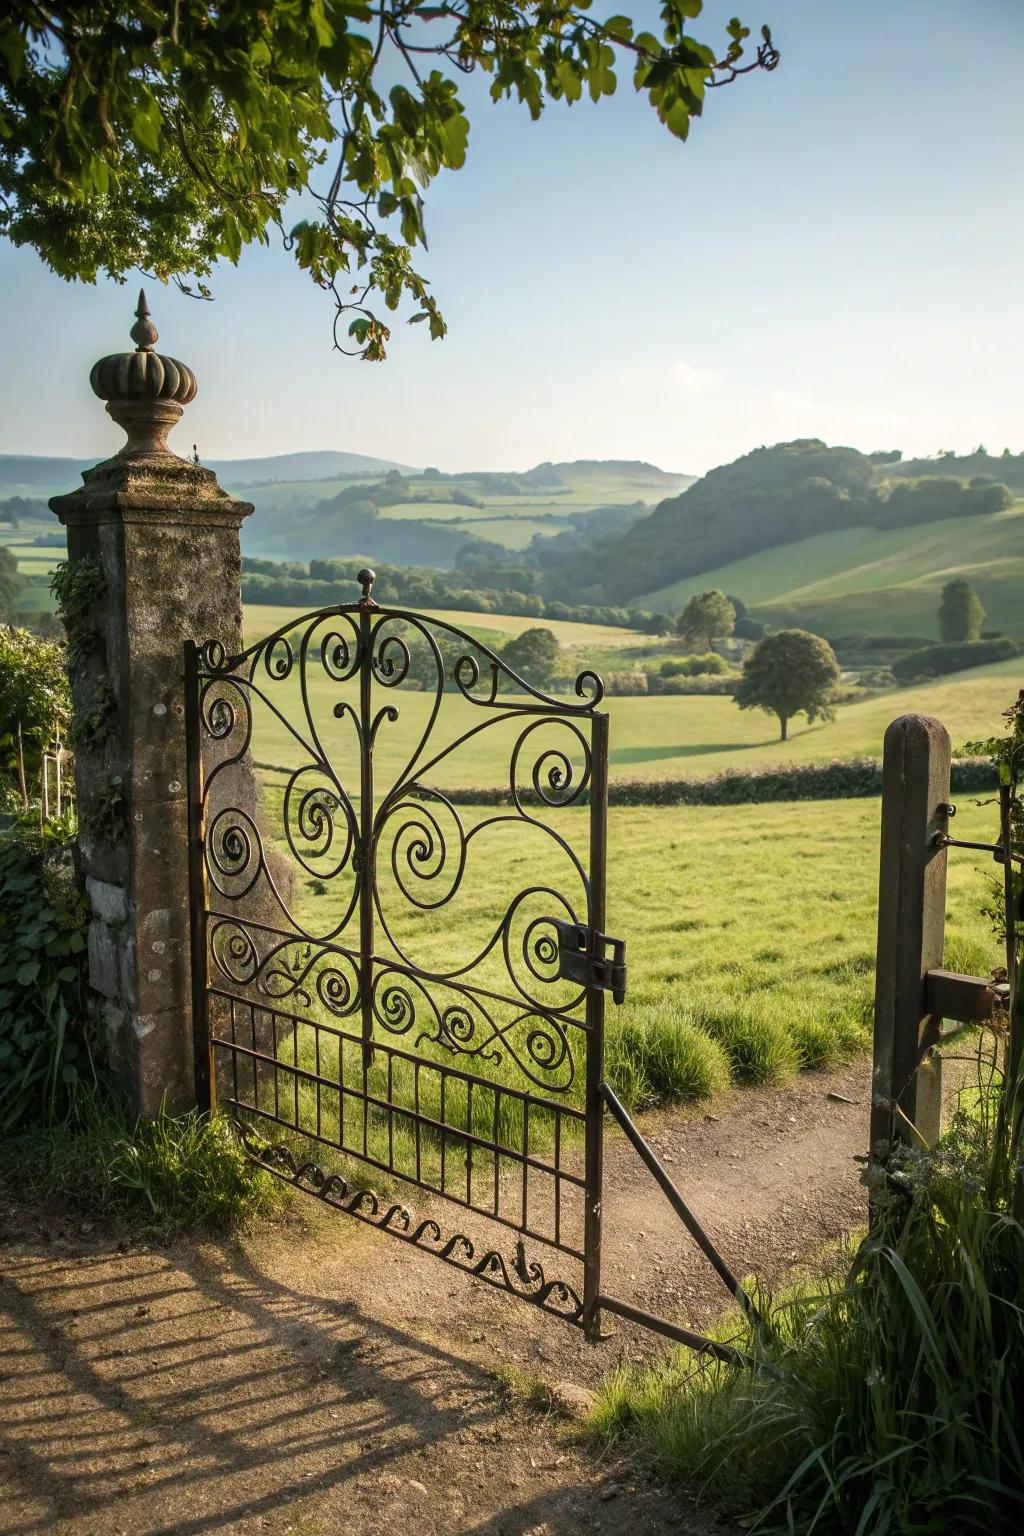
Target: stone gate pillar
<point>153,561</point>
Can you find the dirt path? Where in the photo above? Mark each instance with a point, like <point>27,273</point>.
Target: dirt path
<point>321,1378</point>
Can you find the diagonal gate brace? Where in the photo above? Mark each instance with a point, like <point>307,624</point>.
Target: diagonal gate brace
<point>701,1238</point>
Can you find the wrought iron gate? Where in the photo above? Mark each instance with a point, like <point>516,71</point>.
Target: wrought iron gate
<point>371,973</point>
<point>366,976</point>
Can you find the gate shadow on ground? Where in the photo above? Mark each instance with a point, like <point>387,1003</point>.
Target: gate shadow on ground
<point>187,1392</point>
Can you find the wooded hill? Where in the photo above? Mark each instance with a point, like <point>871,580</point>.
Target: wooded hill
<point>780,496</point>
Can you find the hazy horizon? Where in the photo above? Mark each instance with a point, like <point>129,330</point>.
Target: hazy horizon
<point>832,254</point>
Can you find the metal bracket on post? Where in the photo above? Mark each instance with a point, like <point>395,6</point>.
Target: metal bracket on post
<point>582,957</point>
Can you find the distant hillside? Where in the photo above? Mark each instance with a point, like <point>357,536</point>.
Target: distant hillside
<point>320,464</point>
<point>1006,466</point>
<point>30,474</point>
<point>433,518</point>
<point>35,476</point>
<point>637,470</point>
<point>776,496</point>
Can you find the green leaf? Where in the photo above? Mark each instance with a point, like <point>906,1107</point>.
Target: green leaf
<point>27,972</point>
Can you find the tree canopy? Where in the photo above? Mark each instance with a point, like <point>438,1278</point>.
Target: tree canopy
<point>136,134</point>
<point>35,703</point>
<point>707,617</point>
<point>11,584</point>
<point>533,655</point>
<point>961,614</point>
<point>789,673</point>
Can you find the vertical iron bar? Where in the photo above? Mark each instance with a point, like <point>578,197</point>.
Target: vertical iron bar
<point>197,892</point>
<point>594,1131</point>
<point>277,1067</point>
<point>255,1063</point>
<point>391,1112</point>
<point>497,1157</point>
<point>295,1065</point>
<point>416,1104</point>
<point>316,1045</point>
<point>469,1144</point>
<point>366,1102</point>
<point>342,1094</point>
<point>234,1055</point>
<point>366,860</point>
<point>525,1165</point>
<point>558,1176</point>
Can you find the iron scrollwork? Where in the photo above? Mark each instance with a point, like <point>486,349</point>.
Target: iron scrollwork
<point>324,880</point>
<point>529,1283</point>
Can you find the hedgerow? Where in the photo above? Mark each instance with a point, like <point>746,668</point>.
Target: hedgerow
<point>854,778</point>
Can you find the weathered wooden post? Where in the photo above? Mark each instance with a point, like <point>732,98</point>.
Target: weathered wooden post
<point>907,1080</point>
<point>153,561</point>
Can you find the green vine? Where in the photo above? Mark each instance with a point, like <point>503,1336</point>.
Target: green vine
<point>93,728</point>
<point>78,587</point>
<point>108,811</point>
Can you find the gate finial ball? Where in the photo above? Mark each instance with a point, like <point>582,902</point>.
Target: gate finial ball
<point>366,579</point>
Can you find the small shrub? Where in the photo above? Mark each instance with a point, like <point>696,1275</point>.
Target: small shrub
<point>627,683</point>
<point>941,660</point>
<point>694,666</point>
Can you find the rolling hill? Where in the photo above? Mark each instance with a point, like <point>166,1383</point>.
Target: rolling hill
<point>874,580</point>
<point>430,518</point>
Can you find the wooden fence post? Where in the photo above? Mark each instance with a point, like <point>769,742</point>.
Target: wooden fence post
<point>907,1080</point>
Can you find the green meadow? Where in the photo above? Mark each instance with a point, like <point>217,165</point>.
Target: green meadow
<point>668,736</point>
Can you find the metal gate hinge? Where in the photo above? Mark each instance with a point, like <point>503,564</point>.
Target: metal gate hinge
<point>583,955</point>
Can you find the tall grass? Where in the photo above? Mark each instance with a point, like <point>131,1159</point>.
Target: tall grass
<point>158,1176</point>
<point>892,1403</point>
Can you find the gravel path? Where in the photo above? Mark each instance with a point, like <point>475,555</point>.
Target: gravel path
<point>317,1377</point>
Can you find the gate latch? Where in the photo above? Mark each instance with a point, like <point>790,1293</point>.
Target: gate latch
<point>590,957</point>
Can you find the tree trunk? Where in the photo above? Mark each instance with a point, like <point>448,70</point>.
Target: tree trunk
<point>22,783</point>
<point>784,723</point>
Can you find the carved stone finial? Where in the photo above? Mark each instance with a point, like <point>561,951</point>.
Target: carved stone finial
<point>144,390</point>
<point>366,579</point>
<point>143,332</point>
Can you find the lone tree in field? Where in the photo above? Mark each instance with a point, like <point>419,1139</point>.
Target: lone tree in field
<point>790,673</point>
<point>960,612</point>
<point>139,134</point>
<point>707,617</point>
<point>533,655</point>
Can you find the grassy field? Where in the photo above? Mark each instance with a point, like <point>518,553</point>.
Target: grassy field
<point>664,737</point>
<point>866,579</point>
<point>750,952</point>
<point>262,620</point>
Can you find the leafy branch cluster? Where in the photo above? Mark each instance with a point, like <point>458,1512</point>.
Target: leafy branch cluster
<point>135,134</point>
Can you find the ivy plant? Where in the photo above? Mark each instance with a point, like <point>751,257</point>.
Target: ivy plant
<point>166,136</point>
<point>44,1048</point>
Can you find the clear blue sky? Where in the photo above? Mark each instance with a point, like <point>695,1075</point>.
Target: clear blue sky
<point>837,251</point>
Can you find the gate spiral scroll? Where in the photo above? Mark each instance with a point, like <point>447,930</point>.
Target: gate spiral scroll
<point>370,975</point>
